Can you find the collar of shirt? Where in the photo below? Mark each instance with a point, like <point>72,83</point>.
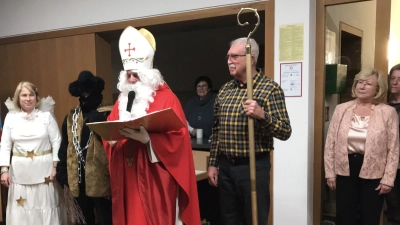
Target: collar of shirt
<point>257,77</point>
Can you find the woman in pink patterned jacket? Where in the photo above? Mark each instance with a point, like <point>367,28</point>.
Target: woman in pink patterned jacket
<point>362,151</point>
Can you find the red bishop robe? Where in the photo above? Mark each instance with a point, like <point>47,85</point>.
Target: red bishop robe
<point>145,193</point>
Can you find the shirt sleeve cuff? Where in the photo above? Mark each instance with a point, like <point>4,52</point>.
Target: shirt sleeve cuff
<point>264,122</point>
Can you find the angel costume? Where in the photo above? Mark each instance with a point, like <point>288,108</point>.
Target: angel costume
<point>34,141</point>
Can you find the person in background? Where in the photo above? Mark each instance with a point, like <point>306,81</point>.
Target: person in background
<point>362,151</point>
<point>152,173</point>
<point>199,113</point>
<point>33,137</point>
<point>230,137</point>
<point>199,109</point>
<point>83,166</point>
<point>393,197</point>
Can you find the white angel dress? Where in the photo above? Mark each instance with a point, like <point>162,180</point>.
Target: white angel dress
<point>33,141</point>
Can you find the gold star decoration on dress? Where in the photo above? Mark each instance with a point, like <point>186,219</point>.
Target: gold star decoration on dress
<point>21,201</point>
<point>30,154</point>
<point>47,180</point>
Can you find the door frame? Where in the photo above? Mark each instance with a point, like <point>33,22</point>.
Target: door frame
<point>381,62</point>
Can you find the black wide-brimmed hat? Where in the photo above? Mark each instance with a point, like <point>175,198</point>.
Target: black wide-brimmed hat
<point>86,82</point>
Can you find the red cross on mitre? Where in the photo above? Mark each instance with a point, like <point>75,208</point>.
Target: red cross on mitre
<point>129,49</point>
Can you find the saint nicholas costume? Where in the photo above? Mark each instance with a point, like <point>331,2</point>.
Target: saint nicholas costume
<point>147,191</point>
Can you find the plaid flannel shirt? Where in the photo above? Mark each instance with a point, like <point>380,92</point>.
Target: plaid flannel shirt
<point>230,129</point>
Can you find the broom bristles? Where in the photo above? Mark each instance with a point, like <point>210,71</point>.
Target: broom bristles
<point>73,210</point>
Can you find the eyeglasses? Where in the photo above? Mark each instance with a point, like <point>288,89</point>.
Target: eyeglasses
<point>394,79</point>
<point>365,83</point>
<point>135,75</point>
<point>202,86</point>
<point>233,56</point>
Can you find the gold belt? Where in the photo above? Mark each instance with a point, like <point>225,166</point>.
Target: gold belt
<point>31,154</point>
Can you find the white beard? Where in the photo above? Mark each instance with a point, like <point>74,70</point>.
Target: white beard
<point>145,91</point>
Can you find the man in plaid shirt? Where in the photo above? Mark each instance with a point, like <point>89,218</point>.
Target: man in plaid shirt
<point>230,145</point>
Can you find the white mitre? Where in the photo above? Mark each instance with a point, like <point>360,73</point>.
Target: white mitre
<point>137,48</point>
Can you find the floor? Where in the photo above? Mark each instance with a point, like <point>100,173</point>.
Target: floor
<point>326,220</point>
<point>329,220</point>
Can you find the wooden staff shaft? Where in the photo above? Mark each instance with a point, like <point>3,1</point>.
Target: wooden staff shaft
<point>251,136</point>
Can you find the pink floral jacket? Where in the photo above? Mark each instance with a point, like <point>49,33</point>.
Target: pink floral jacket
<point>381,155</point>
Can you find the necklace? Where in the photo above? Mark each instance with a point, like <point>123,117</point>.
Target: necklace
<point>363,106</point>
<point>363,111</point>
<point>75,141</point>
<point>31,116</point>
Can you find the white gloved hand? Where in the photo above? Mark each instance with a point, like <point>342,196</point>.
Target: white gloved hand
<point>139,135</point>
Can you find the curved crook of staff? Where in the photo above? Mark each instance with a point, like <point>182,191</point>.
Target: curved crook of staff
<point>251,120</point>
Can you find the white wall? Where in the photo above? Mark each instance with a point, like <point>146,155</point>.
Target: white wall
<point>361,15</point>
<point>18,17</point>
<point>293,159</point>
<point>394,42</point>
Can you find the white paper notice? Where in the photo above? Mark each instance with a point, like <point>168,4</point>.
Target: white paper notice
<point>291,74</point>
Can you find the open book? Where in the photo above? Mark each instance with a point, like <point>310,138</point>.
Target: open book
<point>155,122</point>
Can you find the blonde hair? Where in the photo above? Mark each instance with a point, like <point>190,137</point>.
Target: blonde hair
<point>382,83</point>
<point>31,88</point>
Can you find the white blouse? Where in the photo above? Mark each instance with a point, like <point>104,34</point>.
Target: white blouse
<point>22,133</point>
